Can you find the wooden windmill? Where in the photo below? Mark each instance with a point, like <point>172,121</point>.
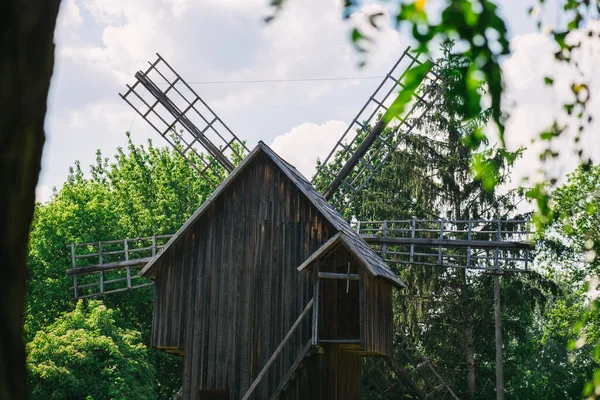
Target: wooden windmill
<point>266,290</point>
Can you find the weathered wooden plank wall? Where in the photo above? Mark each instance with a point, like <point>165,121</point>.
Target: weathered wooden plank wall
<point>228,291</point>
<point>377,315</point>
<point>342,381</point>
<point>339,314</point>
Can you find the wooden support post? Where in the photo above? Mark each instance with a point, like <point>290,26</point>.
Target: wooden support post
<point>498,329</point>
<point>315,317</point>
<point>153,246</point>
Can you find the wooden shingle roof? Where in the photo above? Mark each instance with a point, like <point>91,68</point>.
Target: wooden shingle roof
<point>353,241</point>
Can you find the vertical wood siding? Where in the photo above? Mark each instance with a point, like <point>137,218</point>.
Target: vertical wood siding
<point>343,376</point>
<point>228,291</point>
<point>339,311</point>
<point>377,314</point>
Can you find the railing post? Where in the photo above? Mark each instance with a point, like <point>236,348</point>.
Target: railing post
<point>499,230</point>
<point>153,245</point>
<point>101,282</point>
<point>499,237</point>
<point>385,235</point>
<point>469,228</point>
<point>412,243</point>
<point>126,249</point>
<point>74,265</point>
<point>75,286</point>
<point>100,263</point>
<point>441,237</point>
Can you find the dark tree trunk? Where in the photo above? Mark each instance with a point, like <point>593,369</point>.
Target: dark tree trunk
<point>26,62</point>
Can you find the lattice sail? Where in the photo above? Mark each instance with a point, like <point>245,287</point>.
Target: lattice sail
<point>366,145</point>
<point>180,116</point>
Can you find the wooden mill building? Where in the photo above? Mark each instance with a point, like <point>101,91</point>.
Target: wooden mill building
<point>267,292</point>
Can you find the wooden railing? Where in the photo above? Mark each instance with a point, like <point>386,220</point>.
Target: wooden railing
<point>111,266</point>
<point>278,351</point>
<point>474,244</point>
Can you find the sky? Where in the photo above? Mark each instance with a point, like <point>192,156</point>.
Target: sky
<point>100,44</point>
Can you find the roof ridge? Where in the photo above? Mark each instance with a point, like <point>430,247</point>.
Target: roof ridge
<point>375,264</point>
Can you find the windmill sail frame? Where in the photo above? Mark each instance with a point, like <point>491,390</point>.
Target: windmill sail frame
<point>365,147</point>
<point>185,121</point>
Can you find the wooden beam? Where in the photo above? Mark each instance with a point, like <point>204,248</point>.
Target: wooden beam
<point>340,341</point>
<point>354,159</point>
<point>323,250</point>
<point>171,350</point>
<point>333,275</point>
<point>401,374</point>
<point>447,242</point>
<point>108,266</point>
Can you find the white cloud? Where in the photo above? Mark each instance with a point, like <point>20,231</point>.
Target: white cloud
<point>69,21</point>
<point>43,193</point>
<point>306,143</point>
<point>101,43</point>
<point>534,106</point>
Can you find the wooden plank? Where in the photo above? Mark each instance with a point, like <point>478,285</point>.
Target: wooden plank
<point>340,276</point>
<point>339,341</point>
<point>277,351</point>
<point>230,178</point>
<point>321,252</point>
<point>106,267</point>
<point>291,371</point>
<point>408,382</point>
<point>315,318</point>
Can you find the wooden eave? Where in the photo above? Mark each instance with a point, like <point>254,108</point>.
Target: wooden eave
<point>340,239</point>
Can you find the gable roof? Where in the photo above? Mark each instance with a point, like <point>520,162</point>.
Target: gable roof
<point>352,239</point>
